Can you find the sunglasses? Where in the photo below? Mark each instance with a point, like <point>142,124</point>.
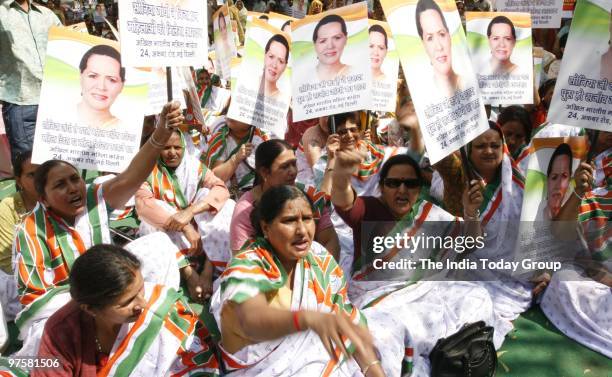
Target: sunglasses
<point>396,182</point>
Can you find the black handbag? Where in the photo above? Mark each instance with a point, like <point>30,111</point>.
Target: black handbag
<point>467,353</point>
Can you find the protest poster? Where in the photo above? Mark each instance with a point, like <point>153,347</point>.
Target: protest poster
<point>225,45</point>
<point>263,88</point>
<point>548,185</point>
<point>545,14</point>
<point>280,21</point>
<point>160,33</point>
<point>385,66</point>
<point>433,51</point>
<point>91,108</point>
<point>158,90</point>
<point>330,73</point>
<point>583,93</point>
<point>501,51</point>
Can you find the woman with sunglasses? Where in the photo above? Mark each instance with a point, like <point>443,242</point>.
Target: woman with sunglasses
<point>406,315</point>
<point>348,136</point>
<point>275,164</point>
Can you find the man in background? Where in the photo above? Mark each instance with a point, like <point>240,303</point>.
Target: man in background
<point>23,41</point>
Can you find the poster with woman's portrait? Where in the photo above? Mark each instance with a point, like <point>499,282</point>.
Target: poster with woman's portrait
<point>262,92</point>
<point>91,108</point>
<point>433,51</point>
<point>385,66</point>
<point>501,51</point>
<point>549,184</point>
<point>329,52</point>
<point>225,44</point>
<point>583,93</point>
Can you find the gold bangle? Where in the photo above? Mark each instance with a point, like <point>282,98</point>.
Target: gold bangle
<point>365,370</point>
<point>155,143</point>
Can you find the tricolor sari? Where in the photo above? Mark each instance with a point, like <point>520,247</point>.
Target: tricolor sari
<point>167,339</point>
<point>407,314</point>
<point>46,247</point>
<point>222,146</point>
<point>175,190</point>
<point>318,285</point>
<point>573,302</point>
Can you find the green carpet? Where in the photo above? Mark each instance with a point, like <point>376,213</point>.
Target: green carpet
<point>535,348</point>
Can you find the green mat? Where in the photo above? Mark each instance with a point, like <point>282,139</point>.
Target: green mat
<point>535,348</point>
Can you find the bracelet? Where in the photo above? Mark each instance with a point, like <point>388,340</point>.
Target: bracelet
<point>365,370</point>
<point>296,321</point>
<point>155,143</point>
<point>581,198</point>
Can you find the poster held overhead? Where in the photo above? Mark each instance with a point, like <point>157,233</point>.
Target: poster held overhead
<point>501,51</point>
<point>385,66</point>
<point>545,14</point>
<point>263,86</point>
<point>583,93</point>
<point>434,56</point>
<point>161,33</point>
<point>225,45</point>
<point>91,108</point>
<point>329,50</point>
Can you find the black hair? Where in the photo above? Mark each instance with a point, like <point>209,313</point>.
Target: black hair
<point>399,159</point>
<point>519,114</point>
<point>20,159</point>
<point>501,20</point>
<point>495,127</point>
<point>562,150</point>
<point>421,7</point>
<point>272,203</point>
<point>101,275</point>
<point>550,83</point>
<point>280,39</point>
<point>103,50</point>
<point>42,174</point>
<point>342,118</point>
<point>328,20</point>
<point>381,30</point>
<point>287,23</point>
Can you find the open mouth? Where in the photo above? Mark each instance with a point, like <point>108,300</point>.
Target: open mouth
<point>301,244</point>
<point>402,201</point>
<point>76,201</point>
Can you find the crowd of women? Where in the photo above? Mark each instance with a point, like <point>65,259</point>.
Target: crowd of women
<point>276,242</point>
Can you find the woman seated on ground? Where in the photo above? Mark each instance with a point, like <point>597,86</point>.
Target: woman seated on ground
<point>499,215</point>
<point>275,164</point>
<point>405,313</point>
<point>279,287</point>
<point>101,331</point>
<point>185,199</point>
<point>577,296</point>
<point>229,155</point>
<point>12,210</point>
<point>348,136</point>
<point>71,217</point>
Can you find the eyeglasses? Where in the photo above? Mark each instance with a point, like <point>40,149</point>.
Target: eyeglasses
<point>397,182</point>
